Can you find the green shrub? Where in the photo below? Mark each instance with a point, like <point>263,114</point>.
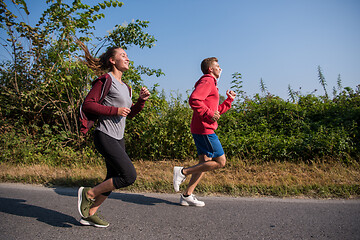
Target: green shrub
<point>44,84</point>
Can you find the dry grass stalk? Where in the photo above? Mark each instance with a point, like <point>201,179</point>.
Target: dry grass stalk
<point>157,176</point>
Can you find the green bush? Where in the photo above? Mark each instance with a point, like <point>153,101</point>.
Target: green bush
<point>44,147</point>
<point>44,84</point>
<point>270,128</point>
<point>262,129</point>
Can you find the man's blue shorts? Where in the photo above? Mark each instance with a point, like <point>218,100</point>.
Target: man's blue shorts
<point>208,145</point>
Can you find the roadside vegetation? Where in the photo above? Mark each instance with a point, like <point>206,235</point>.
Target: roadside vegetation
<point>305,146</point>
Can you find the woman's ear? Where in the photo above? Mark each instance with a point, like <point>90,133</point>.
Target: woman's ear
<point>111,60</point>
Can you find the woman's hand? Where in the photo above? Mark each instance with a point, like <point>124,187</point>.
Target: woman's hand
<point>144,93</point>
<point>123,111</point>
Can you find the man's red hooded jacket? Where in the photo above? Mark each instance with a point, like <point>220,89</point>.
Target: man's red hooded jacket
<point>204,101</point>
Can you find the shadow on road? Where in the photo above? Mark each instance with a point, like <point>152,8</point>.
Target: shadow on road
<point>19,207</point>
<point>126,197</point>
<point>140,199</point>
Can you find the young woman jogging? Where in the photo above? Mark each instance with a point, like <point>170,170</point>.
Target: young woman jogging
<point>109,133</point>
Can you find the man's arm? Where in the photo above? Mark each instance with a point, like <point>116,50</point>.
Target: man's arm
<point>226,105</point>
<point>197,98</point>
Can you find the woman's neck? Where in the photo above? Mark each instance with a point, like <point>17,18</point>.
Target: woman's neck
<point>117,74</point>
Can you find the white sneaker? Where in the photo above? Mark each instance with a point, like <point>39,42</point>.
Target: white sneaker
<point>191,201</point>
<point>178,178</point>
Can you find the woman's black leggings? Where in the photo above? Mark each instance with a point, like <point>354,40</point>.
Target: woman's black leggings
<point>118,164</point>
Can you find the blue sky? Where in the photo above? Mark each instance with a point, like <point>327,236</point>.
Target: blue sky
<point>281,41</point>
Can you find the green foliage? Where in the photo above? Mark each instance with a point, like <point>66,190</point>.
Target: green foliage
<point>262,86</point>
<point>132,33</point>
<point>264,128</point>
<point>260,129</point>
<point>19,146</point>
<point>322,81</point>
<point>161,130</point>
<point>273,129</point>
<point>44,83</point>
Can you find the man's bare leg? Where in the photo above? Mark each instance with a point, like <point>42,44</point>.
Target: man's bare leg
<point>197,171</point>
<point>215,163</point>
<point>196,177</point>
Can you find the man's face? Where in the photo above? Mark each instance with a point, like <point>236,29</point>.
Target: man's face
<point>215,69</point>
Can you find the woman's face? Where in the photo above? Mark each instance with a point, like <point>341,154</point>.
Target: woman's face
<point>120,60</point>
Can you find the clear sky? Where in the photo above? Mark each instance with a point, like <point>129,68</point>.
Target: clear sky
<point>281,41</point>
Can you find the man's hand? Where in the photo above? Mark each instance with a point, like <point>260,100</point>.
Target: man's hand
<point>144,93</point>
<point>216,116</point>
<point>231,94</point>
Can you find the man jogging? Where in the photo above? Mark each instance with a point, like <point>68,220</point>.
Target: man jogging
<point>204,101</point>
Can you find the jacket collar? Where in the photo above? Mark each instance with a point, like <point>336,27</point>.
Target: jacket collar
<point>211,76</point>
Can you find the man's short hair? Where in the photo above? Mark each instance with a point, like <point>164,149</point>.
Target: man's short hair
<point>206,63</point>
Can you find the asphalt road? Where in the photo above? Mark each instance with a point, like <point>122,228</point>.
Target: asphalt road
<point>35,212</point>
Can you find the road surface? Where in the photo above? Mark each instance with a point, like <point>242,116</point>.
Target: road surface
<point>36,212</point>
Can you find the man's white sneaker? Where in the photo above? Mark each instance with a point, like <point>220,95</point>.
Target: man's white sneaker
<point>190,201</point>
<point>178,178</point>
